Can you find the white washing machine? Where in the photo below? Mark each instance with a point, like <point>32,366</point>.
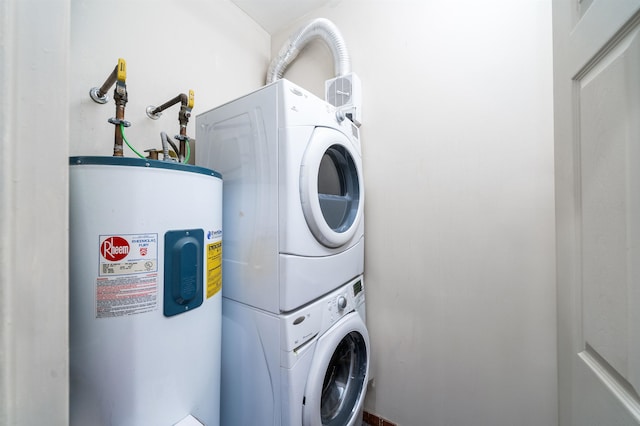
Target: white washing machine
<point>309,367</point>
<point>293,195</point>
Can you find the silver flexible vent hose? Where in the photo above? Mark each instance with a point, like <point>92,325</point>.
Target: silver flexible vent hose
<point>165,146</point>
<point>318,28</point>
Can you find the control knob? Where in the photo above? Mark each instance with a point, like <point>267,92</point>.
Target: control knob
<point>342,303</point>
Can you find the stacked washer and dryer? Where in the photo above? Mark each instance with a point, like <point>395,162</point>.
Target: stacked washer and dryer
<point>295,348</point>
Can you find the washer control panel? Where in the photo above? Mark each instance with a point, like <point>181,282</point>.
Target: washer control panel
<point>342,303</point>
<point>299,327</point>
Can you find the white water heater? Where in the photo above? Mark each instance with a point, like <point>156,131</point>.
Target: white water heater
<point>144,292</point>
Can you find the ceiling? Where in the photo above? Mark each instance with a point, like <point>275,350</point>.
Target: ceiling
<point>273,15</point>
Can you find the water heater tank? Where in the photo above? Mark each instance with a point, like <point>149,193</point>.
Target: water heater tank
<point>144,292</point>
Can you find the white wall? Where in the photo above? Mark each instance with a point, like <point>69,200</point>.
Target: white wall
<point>458,159</point>
<point>170,46</point>
<point>34,116</point>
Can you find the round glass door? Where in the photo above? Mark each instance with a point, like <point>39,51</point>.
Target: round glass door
<point>344,381</point>
<point>331,187</point>
<point>337,379</point>
<point>338,188</point>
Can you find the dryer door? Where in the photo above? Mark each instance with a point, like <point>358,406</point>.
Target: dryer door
<point>331,187</point>
<point>337,382</point>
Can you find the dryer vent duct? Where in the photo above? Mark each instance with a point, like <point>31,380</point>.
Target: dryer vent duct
<point>318,28</point>
<point>344,90</point>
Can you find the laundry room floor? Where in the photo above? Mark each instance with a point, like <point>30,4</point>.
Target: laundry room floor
<point>369,419</point>
<point>382,423</point>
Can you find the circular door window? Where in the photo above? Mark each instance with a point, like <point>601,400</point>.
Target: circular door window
<point>344,381</point>
<point>336,385</point>
<point>331,187</point>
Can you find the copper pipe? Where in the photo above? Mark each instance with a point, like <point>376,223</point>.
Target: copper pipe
<point>108,82</point>
<point>153,154</point>
<point>183,119</point>
<point>180,98</point>
<point>119,73</point>
<point>121,98</point>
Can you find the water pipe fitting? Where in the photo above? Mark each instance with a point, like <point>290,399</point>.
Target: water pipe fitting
<point>99,94</point>
<point>186,105</point>
<point>121,98</point>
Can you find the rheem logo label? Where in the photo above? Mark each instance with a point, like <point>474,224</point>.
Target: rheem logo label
<point>114,249</point>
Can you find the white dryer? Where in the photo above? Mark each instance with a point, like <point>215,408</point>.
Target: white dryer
<point>293,195</point>
<point>309,367</point>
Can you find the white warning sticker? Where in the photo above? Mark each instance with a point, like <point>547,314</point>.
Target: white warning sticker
<point>127,254</point>
<point>126,295</point>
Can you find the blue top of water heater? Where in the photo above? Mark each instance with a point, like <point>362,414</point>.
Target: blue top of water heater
<point>142,162</point>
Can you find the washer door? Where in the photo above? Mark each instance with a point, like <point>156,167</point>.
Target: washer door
<point>337,382</point>
<point>331,187</point>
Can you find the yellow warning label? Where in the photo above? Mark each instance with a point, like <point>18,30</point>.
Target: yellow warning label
<point>214,268</point>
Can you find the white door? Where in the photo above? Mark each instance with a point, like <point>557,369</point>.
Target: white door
<point>597,133</point>
<point>331,187</point>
